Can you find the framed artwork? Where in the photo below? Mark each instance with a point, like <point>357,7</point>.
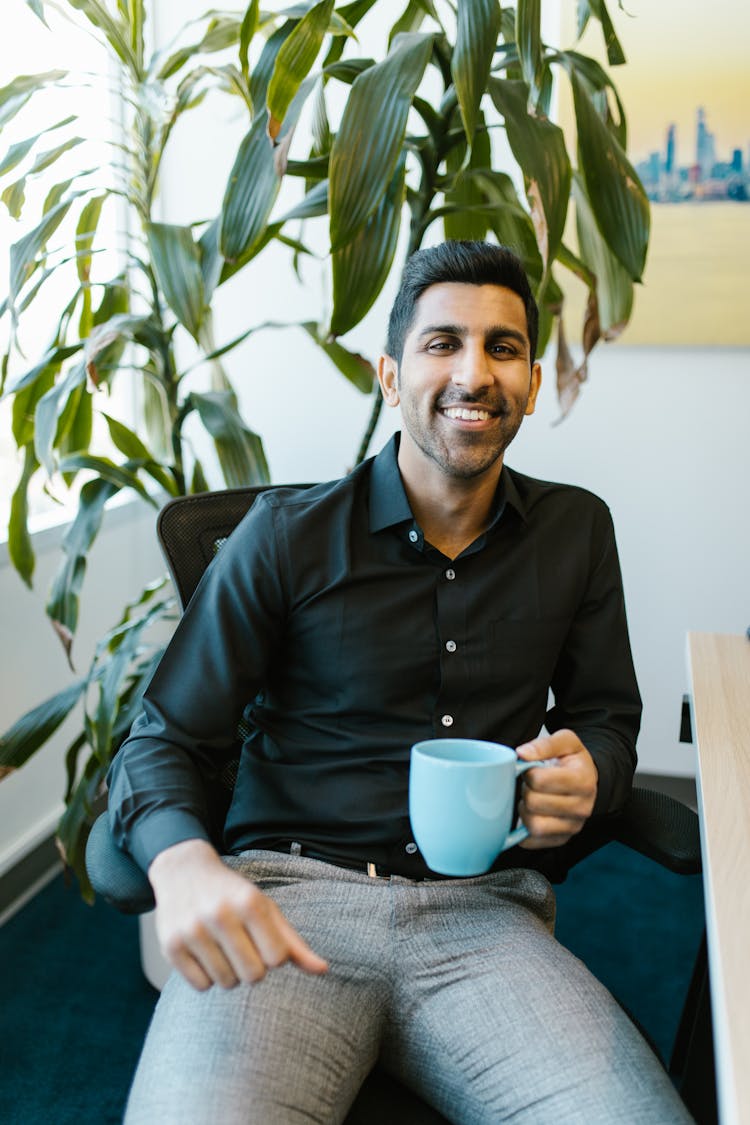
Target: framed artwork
<point>686,89</point>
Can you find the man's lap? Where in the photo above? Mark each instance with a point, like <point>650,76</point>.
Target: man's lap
<point>458,984</point>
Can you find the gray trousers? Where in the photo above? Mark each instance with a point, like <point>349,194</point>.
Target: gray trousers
<point>458,987</point>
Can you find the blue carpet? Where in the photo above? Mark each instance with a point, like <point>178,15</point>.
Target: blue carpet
<point>74,1005</point>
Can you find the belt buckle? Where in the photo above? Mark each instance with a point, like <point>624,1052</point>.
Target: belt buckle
<point>372,871</point>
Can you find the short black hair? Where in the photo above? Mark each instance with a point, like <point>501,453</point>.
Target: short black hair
<point>469,263</point>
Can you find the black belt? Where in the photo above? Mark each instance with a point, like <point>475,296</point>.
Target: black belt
<point>373,870</point>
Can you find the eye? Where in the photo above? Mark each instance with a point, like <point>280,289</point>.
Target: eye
<point>442,344</point>
<point>502,348</point>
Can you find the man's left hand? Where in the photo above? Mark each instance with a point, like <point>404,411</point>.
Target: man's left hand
<point>557,801</point>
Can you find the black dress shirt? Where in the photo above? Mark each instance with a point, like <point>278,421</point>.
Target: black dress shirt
<point>354,638</point>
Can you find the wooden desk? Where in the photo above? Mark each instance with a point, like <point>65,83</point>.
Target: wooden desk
<point>720,673</point>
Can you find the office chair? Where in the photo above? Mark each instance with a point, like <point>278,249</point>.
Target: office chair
<point>191,530</point>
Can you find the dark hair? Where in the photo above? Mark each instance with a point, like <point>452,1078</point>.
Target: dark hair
<point>469,263</point>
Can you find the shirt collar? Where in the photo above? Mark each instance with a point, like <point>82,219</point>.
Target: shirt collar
<point>389,504</point>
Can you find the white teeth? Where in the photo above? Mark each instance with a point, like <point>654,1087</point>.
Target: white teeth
<point>466,415</point>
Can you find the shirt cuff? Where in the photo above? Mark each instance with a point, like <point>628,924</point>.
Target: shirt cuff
<point>161,830</point>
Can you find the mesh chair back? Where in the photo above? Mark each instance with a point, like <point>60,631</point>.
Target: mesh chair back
<point>191,530</point>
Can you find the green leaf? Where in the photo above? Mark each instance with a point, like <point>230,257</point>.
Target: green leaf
<point>240,451</point>
<point>293,62</point>
<point>176,260</point>
<point>63,601</point>
<point>48,411</point>
<point>20,546</point>
<point>115,655</point>
<point>614,288</point>
<point>476,34</point>
<point>353,366</point>
<point>15,95</point>
<point>46,159</point>
<point>314,204</point>
<point>411,20</point>
<point>371,135</point>
<point>76,422</point>
<point>97,15</point>
<point>617,197</point>
<point>529,43</point>
<point>263,70</point>
<point>250,194</point>
<point>598,81</point>
<point>14,197</point>
<point>615,53</point>
<point>247,31</point>
<point>539,148</point>
<point>51,361</point>
<point>361,267</point>
<point>134,449</point>
<point>33,729</point>
<point>85,232</point>
<point>17,152</point>
<point>23,253</point>
<point>75,824</point>
<point>122,476</point>
<point>512,225</point>
<point>37,8</point>
<point>198,482</point>
<point>466,192</point>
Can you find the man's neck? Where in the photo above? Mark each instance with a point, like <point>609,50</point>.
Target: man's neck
<point>451,512</point>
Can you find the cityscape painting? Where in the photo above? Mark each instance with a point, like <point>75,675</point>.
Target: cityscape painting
<point>686,89</point>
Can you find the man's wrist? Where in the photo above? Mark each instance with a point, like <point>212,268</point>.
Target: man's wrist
<point>177,856</point>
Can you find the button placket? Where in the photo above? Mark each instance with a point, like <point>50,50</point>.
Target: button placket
<point>451,628</point>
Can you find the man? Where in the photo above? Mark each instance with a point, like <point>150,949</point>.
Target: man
<point>431,591</point>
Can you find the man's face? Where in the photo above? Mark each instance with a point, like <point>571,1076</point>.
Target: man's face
<point>465,380</point>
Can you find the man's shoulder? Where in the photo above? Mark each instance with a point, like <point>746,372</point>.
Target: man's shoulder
<point>293,498</point>
<point>305,507</point>
<point>535,492</point>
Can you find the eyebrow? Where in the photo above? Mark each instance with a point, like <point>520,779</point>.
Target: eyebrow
<point>496,332</point>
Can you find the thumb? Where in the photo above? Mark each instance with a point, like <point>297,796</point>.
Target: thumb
<point>561,744</point>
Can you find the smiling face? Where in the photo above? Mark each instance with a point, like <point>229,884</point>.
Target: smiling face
<point>465,380</point>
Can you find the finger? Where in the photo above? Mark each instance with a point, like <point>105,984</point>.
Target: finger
<point>191,970</point>
<point>561,744</point>
<point>536,843</point>
<point>238,948</point>
<point>277,941</point>
<point>553,779</point>
<point>549,831</point>
<point>202,946</point>
<point>555,804</point>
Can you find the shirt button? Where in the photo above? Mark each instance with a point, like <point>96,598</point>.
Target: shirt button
<point>410,848</point>
<point>447,720</point>
<point>413,536</point>
<point>450,575</point>
<point>451,646</point>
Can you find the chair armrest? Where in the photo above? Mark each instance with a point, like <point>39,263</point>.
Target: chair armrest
<point>661,828</point>
<point>114,874</point>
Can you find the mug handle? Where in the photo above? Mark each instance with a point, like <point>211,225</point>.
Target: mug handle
<point>520,833</point>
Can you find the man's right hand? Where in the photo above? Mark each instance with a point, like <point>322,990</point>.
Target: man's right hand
<point>215,926</point>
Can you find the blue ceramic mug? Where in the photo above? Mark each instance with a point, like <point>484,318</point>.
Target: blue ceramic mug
<point>462,802</point>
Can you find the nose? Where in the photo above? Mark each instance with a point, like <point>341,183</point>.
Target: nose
<point>472,369</point>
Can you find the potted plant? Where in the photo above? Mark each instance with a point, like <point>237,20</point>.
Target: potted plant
<point>398,152</point>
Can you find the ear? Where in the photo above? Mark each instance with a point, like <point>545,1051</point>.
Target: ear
<point>388,379</point>
<point>534,385</point>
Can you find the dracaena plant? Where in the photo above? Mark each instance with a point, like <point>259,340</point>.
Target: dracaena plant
<point>414,142</point>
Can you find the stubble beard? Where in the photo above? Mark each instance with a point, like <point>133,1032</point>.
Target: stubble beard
<point>469,455</point>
